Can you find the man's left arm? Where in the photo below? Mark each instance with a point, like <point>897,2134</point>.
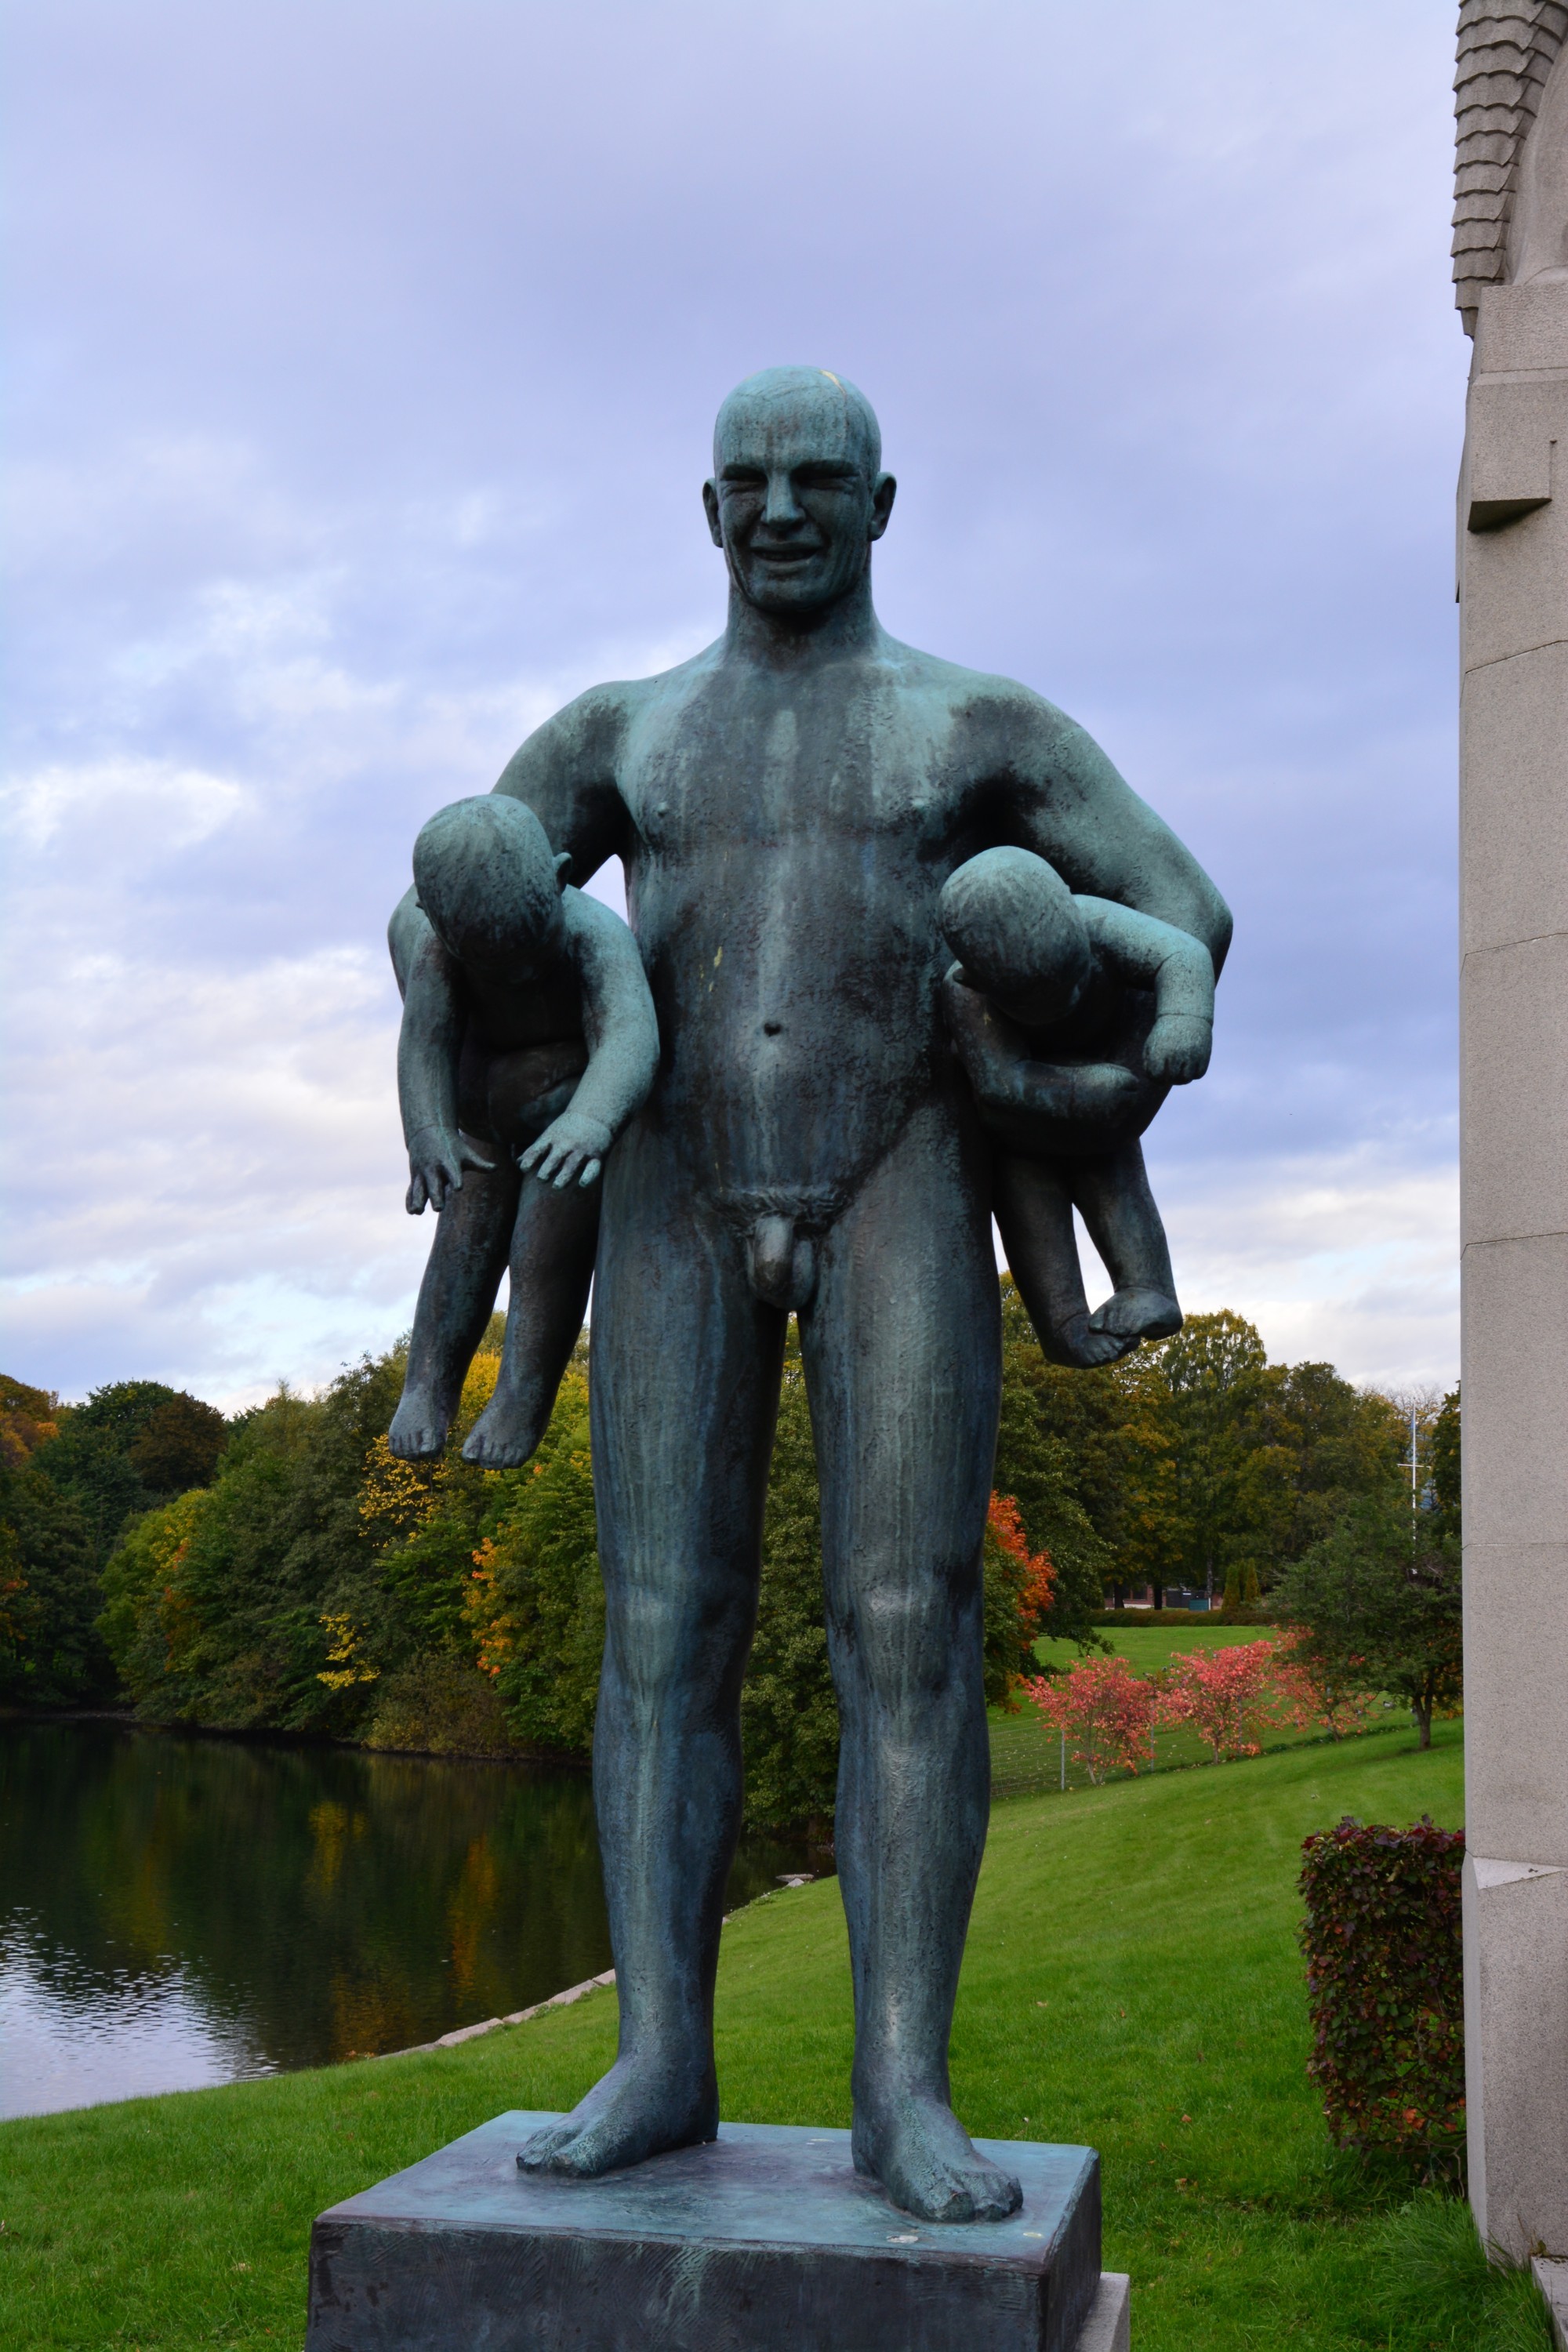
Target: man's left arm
<point>1062,798</point>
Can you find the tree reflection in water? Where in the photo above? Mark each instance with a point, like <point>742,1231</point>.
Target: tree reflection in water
<point>176,1910</point>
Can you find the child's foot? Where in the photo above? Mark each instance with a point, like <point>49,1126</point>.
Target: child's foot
<point>507,1432</point>
<point>1134,1315</point>
<point>1077,1342</point>
<point>418,1430</point>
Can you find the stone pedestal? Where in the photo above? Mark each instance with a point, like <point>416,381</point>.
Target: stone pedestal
<point>765,2242</point>
<point>1513,578</point>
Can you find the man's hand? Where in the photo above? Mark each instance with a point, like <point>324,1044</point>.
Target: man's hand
<point>437,1158</point>
<point>1177,1049</point>
<point>570,1146</point>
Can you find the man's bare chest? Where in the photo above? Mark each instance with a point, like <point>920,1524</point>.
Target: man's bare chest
<point>776,773</point>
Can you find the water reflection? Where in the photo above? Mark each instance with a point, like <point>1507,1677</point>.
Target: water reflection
<point>178,1911</point>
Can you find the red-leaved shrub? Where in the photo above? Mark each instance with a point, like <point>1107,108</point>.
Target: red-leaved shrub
<point>1104,1708</point>
<point>1229,1695</point>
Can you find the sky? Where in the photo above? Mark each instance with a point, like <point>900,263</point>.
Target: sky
<point>364,361</point>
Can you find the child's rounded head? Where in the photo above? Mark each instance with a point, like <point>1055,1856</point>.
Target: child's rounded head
<point>1010,920</point>
<point>486,881</point>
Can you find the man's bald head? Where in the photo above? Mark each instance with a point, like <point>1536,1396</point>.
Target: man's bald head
<point>808,398</point>
<point>798,494</point>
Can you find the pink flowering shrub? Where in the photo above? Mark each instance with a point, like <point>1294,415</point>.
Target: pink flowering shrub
<point>1229,1695</point>
<point>1105,1709</point>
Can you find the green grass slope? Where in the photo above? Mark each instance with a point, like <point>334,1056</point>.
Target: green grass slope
<point>1133,1982</point>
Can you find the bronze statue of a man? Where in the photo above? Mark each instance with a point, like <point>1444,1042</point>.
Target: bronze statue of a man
<point>788,806</point>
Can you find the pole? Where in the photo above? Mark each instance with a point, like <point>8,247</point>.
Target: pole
<point>1064,1760</point>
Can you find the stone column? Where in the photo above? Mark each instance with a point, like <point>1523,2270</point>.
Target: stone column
<point>1513,580</point>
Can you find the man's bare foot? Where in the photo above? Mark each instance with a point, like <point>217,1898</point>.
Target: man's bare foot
<point>918,2149</point>
<point>1134,1315</point>
<point>633,2111</point>
<point>508,1431</point>
<point>1078,1342</point>
<point>418,1430</point>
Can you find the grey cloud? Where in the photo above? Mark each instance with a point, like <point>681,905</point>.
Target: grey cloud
<point>365,363</point>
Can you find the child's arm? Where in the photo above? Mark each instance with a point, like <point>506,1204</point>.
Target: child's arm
<point>1178,969</point>
<point>622,1031</point>
<point>429,1045</point>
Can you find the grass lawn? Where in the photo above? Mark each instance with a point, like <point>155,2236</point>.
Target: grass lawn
<point>1132,1981</point>
<point>1147,1648</point>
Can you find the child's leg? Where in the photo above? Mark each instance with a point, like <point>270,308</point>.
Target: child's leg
<point>1033,1206</point>
<point>455,1301</point>
<point>552,1247</point>
<point>1125,1227</point>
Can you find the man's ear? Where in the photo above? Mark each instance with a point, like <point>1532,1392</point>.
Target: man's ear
<point>563,866</point>
<point>884,490</point>
<point>710,508</point>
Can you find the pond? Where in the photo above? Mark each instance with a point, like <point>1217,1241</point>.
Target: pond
<point>177,1911</point>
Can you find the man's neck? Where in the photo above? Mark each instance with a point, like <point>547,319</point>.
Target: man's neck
<point>790,640</point>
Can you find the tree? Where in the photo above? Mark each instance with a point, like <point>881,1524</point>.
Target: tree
<point>178,1445</point>
<point>1378,1605</point>
<point>1446,1484</point>
<point>1019,1597</point>
<point>1059,1449</point>
<point>1228,1697</point>
<point>50,1654</point>
<point>28,1416</point>
<point>1104,1711</point>
<point>535,1597</point>
<point>789,1713</point>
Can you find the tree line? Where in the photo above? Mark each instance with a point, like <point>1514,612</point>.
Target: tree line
<point>283,1570</point>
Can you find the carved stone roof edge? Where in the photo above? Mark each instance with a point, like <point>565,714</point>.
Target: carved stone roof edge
<point>1506,48</point>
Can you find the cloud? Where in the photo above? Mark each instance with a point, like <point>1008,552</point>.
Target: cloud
<point>363,366</point>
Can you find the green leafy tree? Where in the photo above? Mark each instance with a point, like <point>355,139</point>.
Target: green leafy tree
<point>178,1445</point>
<point>89,1457</point>
<point>1060,1456</point>
<point>1446,1484</point>
<point>789,1713</point>
<point>536,1599</point>
<point>50,1652</point>
<point>1378,1602</point>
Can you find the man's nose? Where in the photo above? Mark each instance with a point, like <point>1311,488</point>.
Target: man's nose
<point>782,508</point>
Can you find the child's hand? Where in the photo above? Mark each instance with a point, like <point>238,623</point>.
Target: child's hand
<point>437,1158</point>
<point>1177,1049</point>
<point>570,1146</point>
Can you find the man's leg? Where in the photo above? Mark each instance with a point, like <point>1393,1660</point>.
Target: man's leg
<point>456,1298</point>
<point>551,1266</point>
<point>684,1388</point>
<point>902,1353</point>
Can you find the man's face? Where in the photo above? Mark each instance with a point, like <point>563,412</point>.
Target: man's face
<point>792,504</point>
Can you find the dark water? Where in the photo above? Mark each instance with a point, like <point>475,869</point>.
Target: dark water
<point>179,1911</point>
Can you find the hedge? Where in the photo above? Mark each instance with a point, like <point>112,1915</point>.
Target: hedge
<point>1384,1983</point>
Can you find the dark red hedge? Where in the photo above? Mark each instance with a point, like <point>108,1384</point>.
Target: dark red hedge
<point>1384,1983</point>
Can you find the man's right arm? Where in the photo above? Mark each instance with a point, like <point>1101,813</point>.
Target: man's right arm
<point>566,773</point>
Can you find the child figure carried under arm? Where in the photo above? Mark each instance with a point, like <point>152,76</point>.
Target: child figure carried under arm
<point>528,1040</point>
<point>1074,1017</point>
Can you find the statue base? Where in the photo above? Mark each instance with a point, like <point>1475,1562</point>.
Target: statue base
<point>766,2241</point>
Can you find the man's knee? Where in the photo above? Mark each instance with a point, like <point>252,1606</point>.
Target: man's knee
<point>668,1646</point>
<point>908,1637</point>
